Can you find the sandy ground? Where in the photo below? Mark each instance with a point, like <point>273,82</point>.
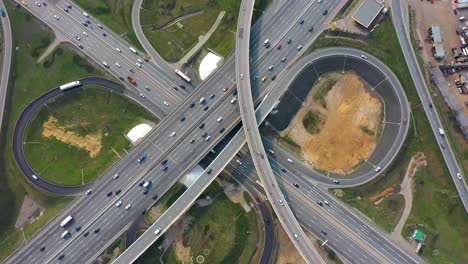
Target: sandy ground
<point>91,143</point>
<point>287,253</point>
<point>28,212</point>
<point>341,142</point>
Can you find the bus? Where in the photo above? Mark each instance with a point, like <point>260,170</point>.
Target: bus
<point>183,76</point>
<point>133,50</point>
<point>66,221</point>
<point>69,85</point>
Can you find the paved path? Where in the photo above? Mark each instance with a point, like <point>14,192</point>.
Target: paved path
<point>57,41</point>
<point>202,40</point>
<point>407,192</point>
<point>7,52</point>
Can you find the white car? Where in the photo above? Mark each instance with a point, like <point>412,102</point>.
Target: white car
<point>84,33</point>
<point>56,17</point>
<point>377,169</point>
<point>208,138</point>
<point>233,100</point>
<point>271,68</point>
<point>118,65</point>
<point>85,14</point>
<point>290,161</point>
<point>172,134</point>
<point>157,231</point>
<point>138,64</point>
<point>299,47</point>
<point>139,60</point>
<point>166,103</point>
<point>296,237</point>
<point>99,26</point>
<point>319,1</point>
<point>118,50</point>
<point>326,202</point>
<point>363,56</point>
<point>118,204</point>
<point>128,206</point>
<point>459,176</point>
<point>142,95</point>
<point>220,119</point>
<point>38,4</point>
<point>34,177</point>
<point>116,176</point>
<point>78,38</point>
<point>88,192</point>
<point>281,202</point>
<point>242,76</point>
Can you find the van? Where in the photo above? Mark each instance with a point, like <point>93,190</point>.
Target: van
<point>266,42</point>
<point>65,234</point>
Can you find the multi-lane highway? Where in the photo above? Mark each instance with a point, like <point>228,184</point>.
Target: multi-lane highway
<point>6,59</point>
<point>101,213</point>
<point>426,100</point>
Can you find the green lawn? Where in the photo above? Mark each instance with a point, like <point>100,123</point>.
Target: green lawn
<point>311,122</point>
<point>347,8</point>
<point>224,228</point>
<point>29,80</point>
<point>91,111</point>
<point>434,206</point>
<point>115,14</point>
<point>196,16</point>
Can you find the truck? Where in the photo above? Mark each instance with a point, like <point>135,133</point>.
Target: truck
<point>69,85</point>
<point>133,50</point>
<point>66,221</point>
<point>441,131</point>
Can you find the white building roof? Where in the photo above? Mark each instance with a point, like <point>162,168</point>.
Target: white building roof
<point>138,132</point>
<point>208,65</point>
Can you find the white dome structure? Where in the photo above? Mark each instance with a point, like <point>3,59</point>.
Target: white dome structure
<point>138,132</point>
<point>208,65</point>
<point>192,176</point>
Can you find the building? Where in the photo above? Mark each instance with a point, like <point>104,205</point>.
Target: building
<point>367,12</point>
<point>437,45</point>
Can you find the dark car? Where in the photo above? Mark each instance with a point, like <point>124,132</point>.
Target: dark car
<point>164,168</point>
<point>87,21</point>
<point>221,130</point>
<point>209,171</point>
<point>192,105</point>
<point>155,197</point>
<point>86,234</point>
<point>84,24</point>
<point>42,249</point>
<point>204,134</point>
<point>122,78</point>
<point>283,169</point>
<point>430,105</point>
<point>109,194</point>
<point>145,192</point>
<point>320,203</point>
<point>212,96</point>
<point>118,191</point>
<point>164,161</point>
<point>324,232</point>
<point>143,212</point>
<point>301,21</point>
<point>205,108</point>
<point>325,12</point>
<point>132,71</point>
<point>141,184</point>
<point>61,257</point>
<point>311,29</point>
<point>78,228</point>
<point>97,230</point>
<point>235,92</point>
<point>296,185</point>
<point>182,86</point>
<point>182,119</point>
<point>273,77</point>
<point>80,46</point>
<point>202,125</point>
<point>104,34</point>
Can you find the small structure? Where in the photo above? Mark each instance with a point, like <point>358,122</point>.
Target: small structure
<point>419,237</point>
<point>437,45</point>
<point>208,65</point>
<point>367,12</point>
<point>138,132</point>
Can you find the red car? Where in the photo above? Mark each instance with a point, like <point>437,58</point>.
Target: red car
<point>257,199</point>
<point>69,5</point>
<point>226,88</point>
<point>146,59</point>
<point>175,87</point>
<point>404,121</point>
<point>280,46</point>
<point>131,80</point>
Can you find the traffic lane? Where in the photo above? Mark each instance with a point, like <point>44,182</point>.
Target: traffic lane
<point>7,53</point>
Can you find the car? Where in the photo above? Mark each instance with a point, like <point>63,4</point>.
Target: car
<point>56,17</point>
<point>141,159</point>
<point>213,151</point>
<point>296,237</point>
<point>320,203</point>
<point>212,96</point>
<point>239,162</point>
<point>145,192</point>
<point>301,21</point>
<point>142,95</point>
<point>128,206</point>
<point>311,29</point>
<point>205,108</point>
<point>84,24</point>
<point>175,87</point>
<point>283,59</point>
<point>146,59</point>
<point>86,234</point>
<point>377,169</point>
<point>65,9</point>
<point>273,77</point>
<point>271,68</point>
<point>122,78</point>
<point>139,60</point>
<point>182,119</point>
<point>226,88</point>
<point>164,168</point>
<point>24,3</point>
<point>109,194</point>
<point>192,105</point>
<point>78,228</point>
<point>326,202</point>
<point>89,22</point>
<point>182,86</point>
<point>42,249</point>
<point>84,33</point>
<point>459,176</point>
<point>290,161</point>
<point>235,92</point>
<point>118,204</point>
<point>325,12</point>
<point>204,134</point>
<point>34,177</point>
<point>319,1</point>
<point>323,232</point>
<point>155,197</point>
<point>209,171</point>
<point>77,37</point>
<point>289,41</point>
<point>242,76</point>
<point>138,64</point>
<point>279,46</point>
<point>132,70</point>
<point>172,134</point>
<point>233,100</point>
<point>430,105</point>
<point>99,26</point>
<point>166,103</point>
<point>283,169</point>
<point>220,119</point>
<point>404,121</point>
<point>202,125</point>
<point>299,47</point>
<point>192,140</point>
<point>222,130</point>
<point>157,231</point>
<point>364,57</point>
<point>296,185</point>
<point>143,212</point>
<point>61,257</point>
<point>336,182</point>
<point>281,202</point>
<point>68,5</point>
<point>118,65</point>
<point>257,199</point>
<point>97,230</point>
<point>85,14</point>
<point>208,138</point>
<point>264,78</point>
<point>104,34</point>
<point>80,46</point>
<point>118,192</point>
<point>141,183</point>
<point>118,50</point>
<point>88,192</point>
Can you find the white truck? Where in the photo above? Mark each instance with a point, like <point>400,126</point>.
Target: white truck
<point>441,131</point>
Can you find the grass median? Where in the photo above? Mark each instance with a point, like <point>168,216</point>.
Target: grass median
<point>436,208</point>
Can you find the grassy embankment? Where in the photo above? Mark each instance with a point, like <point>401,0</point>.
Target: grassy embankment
<point>29,80</point>
<point>436,208</point>
<point>115,14</point>
<point>223,227</point>
<point>94,111</point>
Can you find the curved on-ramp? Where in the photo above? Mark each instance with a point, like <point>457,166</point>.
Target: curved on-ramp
<point>22,124</point>
<point>7,53</point>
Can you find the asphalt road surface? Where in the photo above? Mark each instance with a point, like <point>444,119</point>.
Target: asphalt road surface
<point>6,59</point>
<point>425,97</point>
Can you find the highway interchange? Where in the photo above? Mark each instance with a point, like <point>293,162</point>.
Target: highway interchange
<point>157,145</point>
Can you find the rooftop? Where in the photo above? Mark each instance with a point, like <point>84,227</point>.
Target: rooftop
<point>367,12</point>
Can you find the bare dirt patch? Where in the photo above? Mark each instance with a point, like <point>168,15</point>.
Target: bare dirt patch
<point>287,253</point>
<point>350,118</point>
<point>91,143</point>
<point>29,211</point>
